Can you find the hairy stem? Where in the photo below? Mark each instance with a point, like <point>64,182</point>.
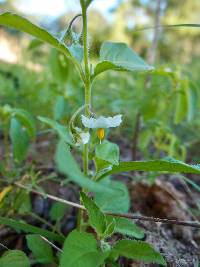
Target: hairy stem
<point>87,85</point>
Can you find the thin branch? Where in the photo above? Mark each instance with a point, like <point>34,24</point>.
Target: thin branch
<point>69,203</point>
<point>3,246</point>
<point>152,219</point>
<point>130,216</point>
<point>50,243</point>
<point>185,25</point>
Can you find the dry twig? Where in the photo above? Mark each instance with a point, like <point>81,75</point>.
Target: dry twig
<point>130,216</point>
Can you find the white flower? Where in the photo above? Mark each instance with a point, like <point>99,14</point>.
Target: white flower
<point>85,137</point>
<point>101,122</point>
<point>168,70</point>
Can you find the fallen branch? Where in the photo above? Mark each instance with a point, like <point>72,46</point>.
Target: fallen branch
<point>130,216</point>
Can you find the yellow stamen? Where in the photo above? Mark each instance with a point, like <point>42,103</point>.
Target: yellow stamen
<point>101,133</point>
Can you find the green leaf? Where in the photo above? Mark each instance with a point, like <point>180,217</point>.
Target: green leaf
<point>34,44</point>
<point>192,102</point>
<point>28,228</point>
<point>41,250</point>
<point>19,139</point>
<point>110,228</point>
<point>14,258</point>
<point>22,202</point>
<point>67,165</point>
<point>59,67</point>
<point>61,130</point>
<point>181,106</point>
<point>166,165</point>
<point>127,227</point>
<point>81,249</point>
<point>96,218</point>
<point>59,108</point>
<point>117,203</point>
<point>138,250</point>
<point>19,23</point>
<point>186,102</point>
<point>57,211</point>
<point>108,151</point>
<point>27,120</point>
<point>118,56</point>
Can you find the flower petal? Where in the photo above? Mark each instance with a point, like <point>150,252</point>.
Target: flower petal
<point>85,137</point>
<point>102,122</point>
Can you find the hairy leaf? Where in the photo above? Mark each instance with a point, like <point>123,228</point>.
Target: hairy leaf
<point>138,250</point>
<point>127,227</point>
<point>118,203</point>
<point>81,249</point>
<point>96,217</point>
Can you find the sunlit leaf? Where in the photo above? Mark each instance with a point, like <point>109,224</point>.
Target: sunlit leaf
<point>20,23</point>
<point>118,56</point>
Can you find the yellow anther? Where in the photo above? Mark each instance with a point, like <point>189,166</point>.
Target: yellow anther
<point>100,133</point>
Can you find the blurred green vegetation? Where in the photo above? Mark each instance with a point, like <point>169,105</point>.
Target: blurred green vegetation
<point>166,102</point>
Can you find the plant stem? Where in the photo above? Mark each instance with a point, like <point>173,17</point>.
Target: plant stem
<point>87,85</point>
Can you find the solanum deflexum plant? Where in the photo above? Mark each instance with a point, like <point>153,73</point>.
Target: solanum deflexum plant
<point>94,249</point>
